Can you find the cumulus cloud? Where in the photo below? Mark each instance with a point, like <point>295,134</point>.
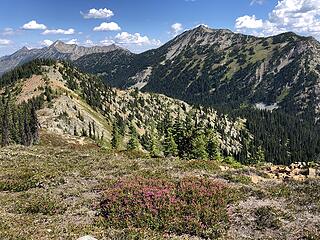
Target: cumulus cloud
<point>135,41</point>
<point>300,16</point>
<point>126,38</point>
<point>72,41</point>
<point>248,22</point>
<point>46,42</point>
<point>69,31</point>
<point>176,28</point>
<point>5,42</point>
<point>107,42</point>
<point>89,43</point>
<point>98,13</point>
<point>33,25</point>
<point>107,26</point>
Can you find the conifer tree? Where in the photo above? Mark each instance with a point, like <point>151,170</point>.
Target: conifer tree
<point>199,147</point>
<point>34,124</point>
<point>133,143</point>
<point>5,126</point>
<point>115,141</point>
<point>26,128</point>
<point>213,148</point>
<point>169,144</point>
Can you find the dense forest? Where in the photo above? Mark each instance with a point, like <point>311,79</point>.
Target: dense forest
<point>19,124</point>
<point>284,138</point>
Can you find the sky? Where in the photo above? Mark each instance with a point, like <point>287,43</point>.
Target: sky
<point>143,24</point>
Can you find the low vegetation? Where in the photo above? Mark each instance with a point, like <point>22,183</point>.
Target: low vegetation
<point>61,189</point>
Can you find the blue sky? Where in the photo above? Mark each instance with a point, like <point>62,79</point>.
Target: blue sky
<point>144,24</point>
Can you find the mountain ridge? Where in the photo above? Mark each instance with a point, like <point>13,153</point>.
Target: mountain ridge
<point>57,50</point>
<point>218,67</point>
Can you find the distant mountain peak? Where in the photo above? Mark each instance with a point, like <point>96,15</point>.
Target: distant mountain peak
<point>57,43</point>
<point>23,49</point>
<point>57,50</point>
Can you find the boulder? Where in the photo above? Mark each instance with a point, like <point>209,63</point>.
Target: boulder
<point>88,237</point>
<point>312,173</point>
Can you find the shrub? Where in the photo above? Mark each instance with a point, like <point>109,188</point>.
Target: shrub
<point>266,217</point>
<point>40,204</point>
<point>191,206</point>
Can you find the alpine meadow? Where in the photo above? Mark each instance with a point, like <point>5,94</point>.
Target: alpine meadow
<point>171,119</point>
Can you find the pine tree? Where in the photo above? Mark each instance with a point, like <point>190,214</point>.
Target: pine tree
<point>115,141</point>
<point>170,146</point>
<point>5,126</point>
<point>90,130</point>
<point>133,143</point>
<point>26,129</point>
<point>75,131</point>
<point>199,147</point>
<point>34,124</point>
<point>213,148</point>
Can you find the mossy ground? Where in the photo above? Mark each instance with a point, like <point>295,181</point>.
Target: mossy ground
<point>53,191</point>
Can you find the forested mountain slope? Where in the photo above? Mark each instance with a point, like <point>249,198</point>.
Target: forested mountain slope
<point>74,103</point>
<point>222,68</point>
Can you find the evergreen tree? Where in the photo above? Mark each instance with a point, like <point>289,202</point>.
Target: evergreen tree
<point>34,125</point>
<point>213,148</point>
<point>169,144</point>
<point>5,126</point>
<point>115,141</point>
<point>26,129</point>
<point>199,147</point>
<point>133,143</point>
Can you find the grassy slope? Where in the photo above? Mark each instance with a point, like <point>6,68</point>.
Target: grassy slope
<point>53,191</point>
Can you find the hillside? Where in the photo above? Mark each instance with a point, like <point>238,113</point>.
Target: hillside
<point>221,68</point>
<point>74,103</point>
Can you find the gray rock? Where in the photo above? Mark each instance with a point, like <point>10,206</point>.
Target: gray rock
<point>88,237</point>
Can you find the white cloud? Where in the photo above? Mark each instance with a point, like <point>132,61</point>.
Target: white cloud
<point>59,31</point>
<point>107,42</point>
<point>73,41</point>
<point>33,25</point>
<point>89,43</point>
<point>8,32</point>
<point>98,13</point>
<point>176,28</point>
<point>126,38</point>
<point>248,22</point>
<point>46,43</point>
<point>300,16</point>
<point>260,2</point>
<point>107,26</point>
<point>5,42</point>
<point>135,42</point>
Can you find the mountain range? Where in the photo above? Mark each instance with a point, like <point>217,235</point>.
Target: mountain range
<point>58,50</point>
<point>210,67</point>
<point>222,69</point>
